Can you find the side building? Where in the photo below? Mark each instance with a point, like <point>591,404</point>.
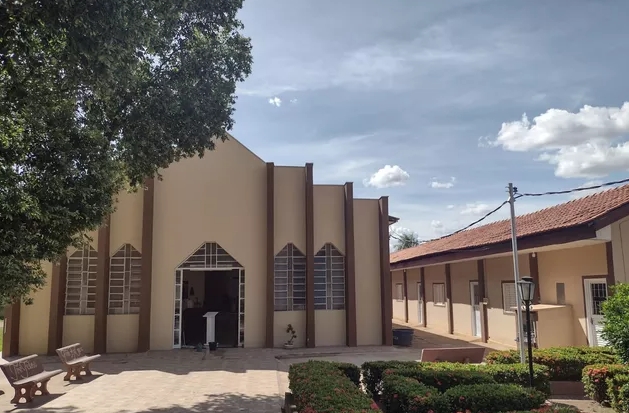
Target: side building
<point>258,244</point>
<point>464,284</point>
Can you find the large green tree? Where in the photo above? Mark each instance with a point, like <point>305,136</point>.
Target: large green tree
<point>95,96</point>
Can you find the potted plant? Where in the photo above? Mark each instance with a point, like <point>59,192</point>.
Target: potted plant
<point>290,330</point>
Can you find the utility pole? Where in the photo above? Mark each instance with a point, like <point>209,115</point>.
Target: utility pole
<point>516,275</point>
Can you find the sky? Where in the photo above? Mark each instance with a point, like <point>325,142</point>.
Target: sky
<point>439,105</point>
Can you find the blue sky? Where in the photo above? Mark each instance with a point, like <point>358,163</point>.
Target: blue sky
<point>424,101</point>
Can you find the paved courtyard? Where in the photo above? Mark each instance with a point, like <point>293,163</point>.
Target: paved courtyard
<point>234,380</point>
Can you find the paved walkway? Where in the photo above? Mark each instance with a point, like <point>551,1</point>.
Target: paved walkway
<point>235,380</point>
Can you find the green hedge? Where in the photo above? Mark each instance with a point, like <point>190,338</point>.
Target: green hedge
<point>493,398</point>
<point>405,395</point>
<point>374,370</point>
<point>564,363</point>
<point>595,378</point>
<point>618,392</point>
<point>443,380</point>
<point>319,386</point>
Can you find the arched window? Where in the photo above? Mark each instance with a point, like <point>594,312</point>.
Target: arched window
<point>125,277</point>
<point>329,279</point>
<point>290,279</point>
<point>81,282</point>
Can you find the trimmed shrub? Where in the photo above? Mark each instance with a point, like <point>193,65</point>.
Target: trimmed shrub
<point>320,386</point>
<point>564,363</point>
<point>502,373</point>
<point>616,322</point>
<point>615,395</point>
<point>519,374</point>
<point>493,398</point>
<point>442,380</point>
<point>405,395</point>
<point>374,370</point>
<point>553,408</point>
<point>595,379</point>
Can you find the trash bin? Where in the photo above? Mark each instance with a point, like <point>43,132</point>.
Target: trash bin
<point>403,336</point>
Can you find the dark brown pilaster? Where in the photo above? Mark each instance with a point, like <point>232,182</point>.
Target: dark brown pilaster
<point>11,334</point>
<point>270,253</point>
<point>144,330</point>
<point>611,278</point>
<point>405,296</point>
<point>422,287</point>
<point>449,300</point>
<point>386,296</point>
<point>484,326</point>
<point>351,330</point>
<point>534,269</point>
<point>310,253</point>
<point>57,304</point>
<point>102,288</point>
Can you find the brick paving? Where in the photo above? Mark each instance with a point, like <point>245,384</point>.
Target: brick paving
<point>234,380</point>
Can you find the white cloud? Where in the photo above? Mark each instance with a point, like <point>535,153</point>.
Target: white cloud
<point>387,177</point>
<point>450,206</point>
<point>293,101</point>
<point>443,185</point>
<point>275,101</point>
<point>586,144</point>
<point>476,209</point>
<point>438,228</point>
<point>586,192</point>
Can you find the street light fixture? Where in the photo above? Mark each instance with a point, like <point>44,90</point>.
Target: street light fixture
<point>527,292</point>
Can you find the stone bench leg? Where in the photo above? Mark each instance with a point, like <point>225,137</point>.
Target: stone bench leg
<point>86,369</point>
<point>27,395</point>
<point>73,371</point>
<point>41,387</point>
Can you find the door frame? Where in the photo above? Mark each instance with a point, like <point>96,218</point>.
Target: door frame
<point>420,304</point>
<point>588,307</point>
<point>476,329</point>
<point>179,297</point>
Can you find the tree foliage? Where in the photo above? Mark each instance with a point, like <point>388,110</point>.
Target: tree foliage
<point>95,96</point>
<point>616,320</point>
<point>405,239</point>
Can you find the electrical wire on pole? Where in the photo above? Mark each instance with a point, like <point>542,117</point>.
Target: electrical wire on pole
<point>516,274</point>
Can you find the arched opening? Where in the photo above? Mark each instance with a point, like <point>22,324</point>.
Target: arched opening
<point>210,281</point>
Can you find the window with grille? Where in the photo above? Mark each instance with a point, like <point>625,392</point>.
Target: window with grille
<point>509,299</point>
<point>210,255</point>
<point>81,282</point>
<point>329,279</point>
<point>399,292</point>
<point>125,274</point>
<point>439,294</point>
<point>290,279</point>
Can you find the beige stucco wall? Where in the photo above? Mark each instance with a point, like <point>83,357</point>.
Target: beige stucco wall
<point>620,248</point>
<point>290,218</point>
<point>568,266</point>
<point>555,327</point>
<point>502,326</point>
<point>329,227</point>
<point>281,320</point>
<point>218,198</point>
<point>461,273</point>
<point>367,251</point>
<point>436,315</point>
<point>397,277</point>
<point>330,328</point>
<point>122,333</point>
<point>79,329</point>
<point>34,319</point>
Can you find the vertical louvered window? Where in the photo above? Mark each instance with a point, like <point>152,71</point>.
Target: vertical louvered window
<point>125,275</point>
<point>81,282</point>
<point>329,279</point>
<point>290,279</point>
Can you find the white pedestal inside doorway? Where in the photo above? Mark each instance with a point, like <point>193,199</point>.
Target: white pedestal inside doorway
<point>210,330</point>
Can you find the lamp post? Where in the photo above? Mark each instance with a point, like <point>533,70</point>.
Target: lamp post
<point>527,292</point>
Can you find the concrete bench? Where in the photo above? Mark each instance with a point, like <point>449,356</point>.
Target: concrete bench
<point>27,376</point>
<point>75,360</point>
<point>473,355</point>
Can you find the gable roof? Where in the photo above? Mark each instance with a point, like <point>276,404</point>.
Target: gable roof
<point>576,219</point>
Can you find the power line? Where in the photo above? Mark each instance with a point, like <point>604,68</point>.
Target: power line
<point>519,195</point>
<point>569,191</point>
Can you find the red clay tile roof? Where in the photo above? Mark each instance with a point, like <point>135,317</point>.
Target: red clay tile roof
<point>576,212</point>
